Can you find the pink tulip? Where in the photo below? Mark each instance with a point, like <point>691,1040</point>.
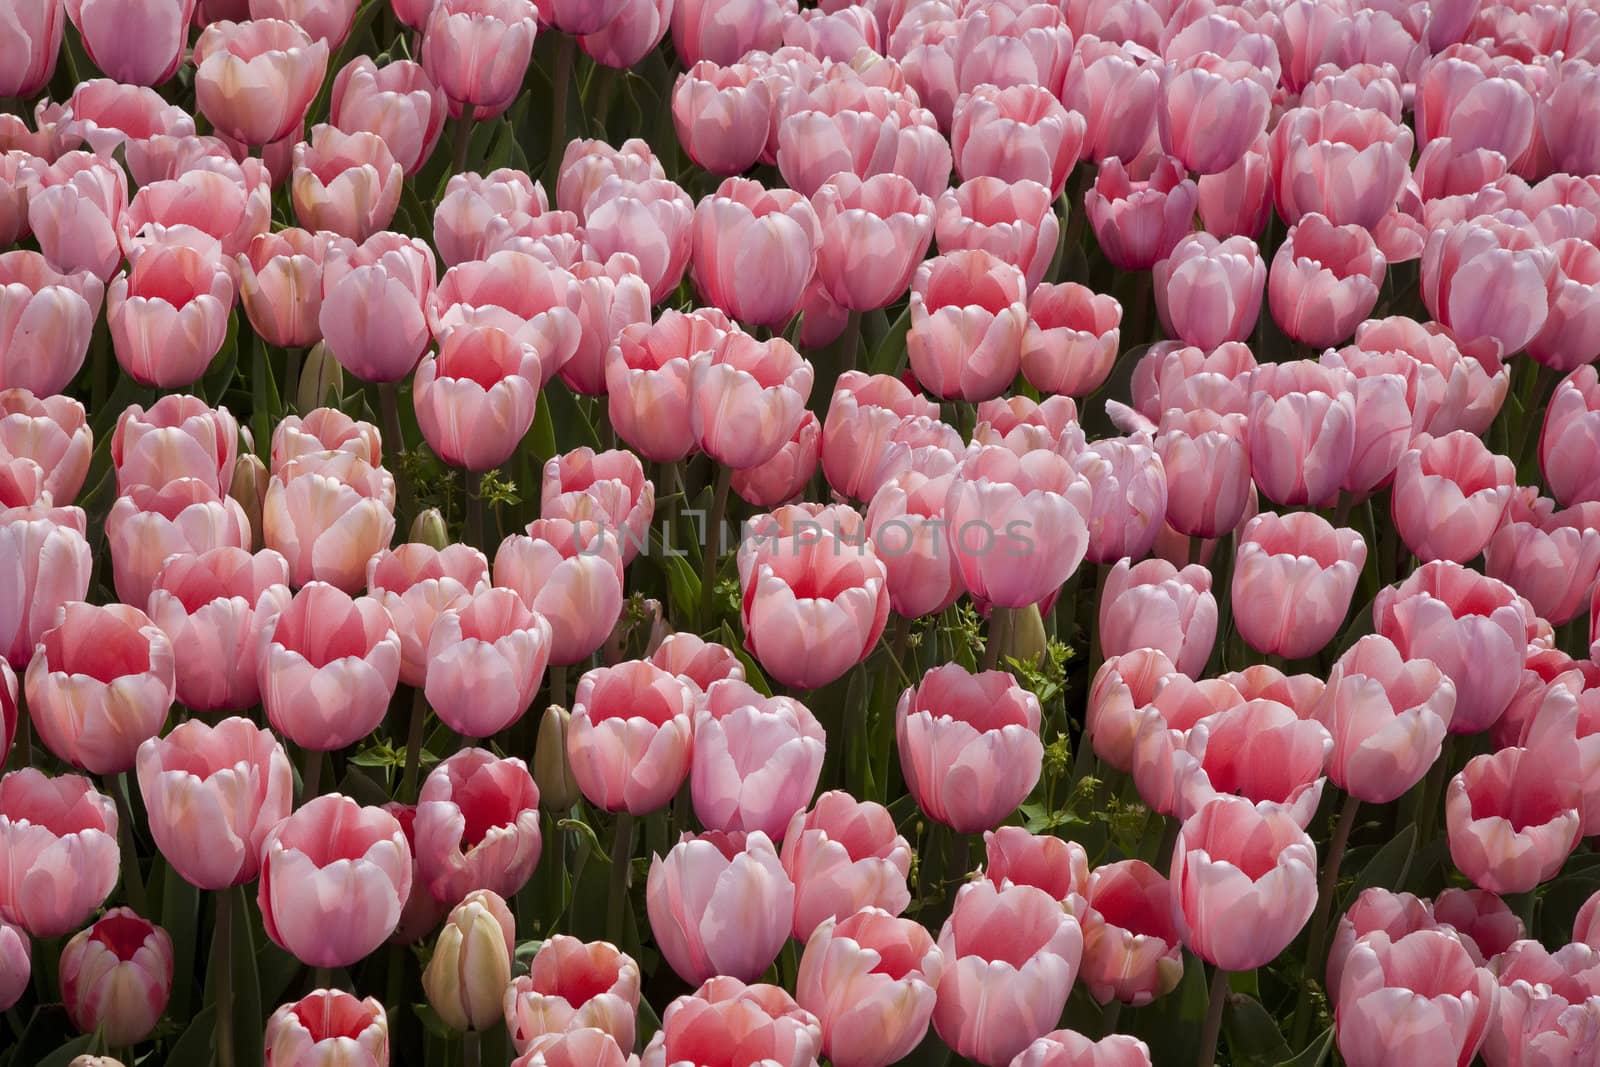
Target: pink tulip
<point>874,233</point>
<point>59,857</point>
<point>981,731</point>
<point>573,985</point>
<point>324,430</point>
<point>651,220</point>
<point>1209,291</point>
<point>1139,222</point>
<point>1474,105</point>
<point>1015,942</point>
<point>571,573</point>
<point>1488,279</point>
<point>870,980</point>
<point>328,21</point>
<point>1172,375</point>
<point>1014,856</point>
<point>786,475</point>
<point>1571,422</point>
<point>328,513</point>
<point>698,662</point>
<point>863,416</point>
<point>1570,336</point>
<point>864,129</point>
<point>1260,750</point>
<point>45,322</point>
<point>255,80</point>
<point>1067,1048</point>
<point>517,293</point>
<point>586,164</point>
<point>280,285</point>
<point>1452,390</point>
<point>1324,280</point>
<point>116,977</point>
<point>1115,87</point>
<point>475,400</point>
<point>333,878</point>
<point>1128,497</point>
<point>1544,1007</point>
<point>907,524</point>
<point>416,583</point>
<point>844,855</point>
<point>491,635</point>
<point>148,525</point>
<point>328,1025</point>
<point>477,826</point>
<point>398,102</point>
<point>647,378</point>
<point>479,213</point>
<point>1018,133</point>
<point>1131,948</point>
<point>1450,494</point>
<point>328,668</point>
<point>747,398</point>
<point>1346,163</point>
<point>53,564</point>
<point>1013,221</point>
<point>1302,431</point>
<point>728,1022</point>
<point>724,30</point>
<point>477,52</point>
<point>718,905</point>
<point>373,298</point>
<point>19,176</point>
<point>722,115</point>
<point>631,736</point>
<point>51,432</point>
<point>16,964</point>
<point>1481,918</point>
<point>99,683</point>
<point>606,487</point>
<point>148,56</point>
<point>756,759</point>
<point>1208,471</point>
<point>1293,582</point>
<point>178,437</point>
<point>1169,734</point>
<point>1447,1001</point>
<point>1377,910</point>
<point>1583,925</point>
<point>33,29</point>
<point>348,183</point>
<point>73,213</point>
<point>1551,558</point>
<point>968,318</point>
<point>778,228</point>
<point>1155,605</point>
<point>1513,817</point>
<point>1243,882</point>
<point>1071,339</point>
<point>168,315</point>
<point>9,710</point>
<point>1237,202</point>
<point>214,207</point>
<point>626,40</point>
<point>1210,111</point>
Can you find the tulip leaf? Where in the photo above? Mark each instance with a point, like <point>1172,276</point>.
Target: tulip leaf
<point>224,366</point>
<point>233,947</point>
<point>1314,1054</point>
<point>180,917</point>
<point>886,357</point>
<point>752,672</point>
<point>1253,1035</point>
<point>1390,865</point>
<point>66,1053</point>
<point>194,1044</point>
<point>682,582</point>
<point>649,1023</point>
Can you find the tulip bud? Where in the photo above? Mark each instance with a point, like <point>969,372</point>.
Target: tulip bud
<point>1027,640</point>
<point>249,489</point>
<point>428,528</point>
<point>552,773</point>
<point>660,628</point>
<point>94,1061</point>
<point>471,967</point>
<point>319,376</point>
<point>116,977</point>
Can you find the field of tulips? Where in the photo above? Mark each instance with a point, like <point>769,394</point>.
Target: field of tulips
<point>771,533</point>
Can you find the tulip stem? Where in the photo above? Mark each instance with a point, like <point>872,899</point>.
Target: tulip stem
<point>462,139</point>
<point>852,343</point>
<point>621,869</point>
<point>1316,947</point>
<point>1171,828</point>
<point>474,506</point>
<point>132,880</point>
<point>471,1049</point>
<point>395,442</point>
<point>558,685</point>
<point>419,716</point>
<point>310,775</point>
<point>322,977</point>
<point>223,961</point>
<point>711,555</point>
<point>560,84</point>
<point>1000,621</point>
<point>1108,1025</point>
<point>1215,999</point>
<point>291,377</point>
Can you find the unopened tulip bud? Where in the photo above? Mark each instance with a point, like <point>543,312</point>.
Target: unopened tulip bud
<point>249,488</point>
<point>320,376</point>
<point>1027,640</point>
<point>552,772</point>
<point>116,977</point>
<point>471,967</point>
<point>428,528</point>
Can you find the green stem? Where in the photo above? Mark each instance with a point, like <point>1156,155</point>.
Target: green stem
<point>323,977</point>
<point>1000,622</point>
<point>462,139</point>
<point>310,775</point>
<point>1108,1018</point>
<point>558,685</point>
<point>561,84</point>
<point>1316,947</point>
<point>132,879</point>
<point>394,442</point>
<point>621,869</point>
<point>291,376</point>
<point>471,1049</point>
<point>1169,841</point>
<point>852,343</point>
<point>474,506</point>
<point>712,553</point>
<point>225,1048</point>
<point>419,716</point>
<point>1101,572</point>
<point>1215,999</point>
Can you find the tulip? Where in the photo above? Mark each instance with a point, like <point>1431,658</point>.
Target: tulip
<point>1015,134</point>
<point>475,400</point>
<point>1013,221</point>
<point>906,521</point>
<point>1347,163</point>
<point>786,475</point>
<point>255,80</point>
<point>1450,494</point>
<point>630,739</point>
<point>1293,582</point>
<point>756,759</point>
<point>1016,942</point>
<point>178,437</point>
<point>1260,750</point>
<point>647,380</point>
<point>491,637</point>
<point>1480,917</point>
<point>416,583</point>
<point>722,115</point>
<point>1071,339</point>
<point>477,52</point>
<point>726,1021</point>
<point>865,130</point>
<point>324,430</point>
<point>572,985</point>
<point>1208,471</point>
<point>1169,742</point>
<point>1488,279</point>
<point>53,564</point>
<point>348,183</point>
<point>571,573</point>
<point>58,851</point>
<point>1209,291</point>
<point>1155,605</point>
<point>743,226</point>
<point>479,212</point>
<point>863,416</point>
<point>1128,497</point>
<point>607,487</point>
<point>586,164</point>
<point>1376,910</point>
<point>168,315</point>
<point>46,319</point>
<point>1513,817</point>
<point>16,965</point>
<point>719,905</point>
<point>612,296</point>
<point>1535,1017</point>
<point>477,826</point>
<point>74,213</point>
<point>1324,280</point>
<point>1131,949</point>
<point>1302,431</point>
<point>1115,87</point>
<point>280,285</point>
<point>148,57</point>
<point>116,977</point>
<point>870,981</point>
<point>183,517</point>
<point>1014,856</point>
<point>1140,222</point>
<point>842,856</point>
<point>1210,111</point>
<point>1571,421</point>
<point>470,970</point>
<point>373,297</point>
<point>1550,558</point>
<point>50,431</point>
<point>34,28</point>
<point>517,293</point>
<point>1237,202</point>
<point>651,220</point>
<point>399,102</point>
<point>1428,978</point>
<point>1122,687</point>
<point>328,21</point>
<point>874,233</point>
<point>328,668</point>
<point>1243,882</point>
<point>721,31</point>
<point>747,398</point>
<point>1067,1048</point>
<point>326,1026</point>
<point>334,876</point>
<point>215,208</point>
<point>968,317</point>
<point>328,513</point>
<point>1172,375</point>
<point>700,663</point>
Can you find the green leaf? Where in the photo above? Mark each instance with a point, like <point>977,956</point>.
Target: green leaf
<point>885,359</point>
<point>752,671</point>
<point>1253,1035</point>
<point>682,582</point>
<point>1314,1054</point>
<point>1391,864</point>
<point>66,1053</point>
<point>225,367</point>
<point>180,917</point>
<point>194,1045</point>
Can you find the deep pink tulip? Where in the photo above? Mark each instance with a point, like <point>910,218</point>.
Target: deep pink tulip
<point>1513,817</point>
<point>479,213</point>
<point>906,521</point>
<point>333,878</point>
<point>53,565</point>
<point>844,855</point>
<point>183,517</point>
<point>329,666</point>
<point>631,736</point>
<point>328,513</point>
<point>477,52</point>
<point>60,857</point>
<point>979,732</point>
<point>1071,340</point>
<point>116,977</point>
<point>574,985</point>
<point>1010,956</point>
<point>397,101</point>
<point>255,80</point>
<point>212,794</point>
<point>16,964</point>
<point>1347,163</point>
<point>1209,291</point>
<point>348,183</point>
<point>968,319</point>
<point>1155,605</point>
<point>571,573</point>
<point>1450,494</point>
<point>1237,202</point>
<point>280,286</point>
<point>1550,557</point>
<point>1489,279</point>
<point>874,233</point>
<point>1131,949</point>
<point>51,432</point>
<point>863,416</point>
<point>724,30</point>
<point>1293,582</point>
<point>1014,856</point>
<point>652,220</point>
<point>168,315</point>
<point>1324,280</point>
<point>327,1025</point>
<point>1426,977</point>
<point>477,826</point>
<point>491,637</point>
<point>1022,132</point>
<point>1014,221</point>
<point>373,300</point>
<point>722,115</point>
<point>586,164</point>
<point>46,319</point>
<point>719,904</point>
<point>728,1022</point>
<point>73,213</point>
<point>756,759</point>
<point>607,487</point>
<point>515,292</point>
<point>746,398</point>
<point>1211,110</point>
<point>870,980</point>
<point>416,583</point>
<point>1140,220</point>
<point>1243,882</point>
<point>787,474</point>
<point>1128,497</point>
<point>99,684</point>
<point>647,379</point>
<point>178,437</point>
<point>1566,451</point>
<point>1486,923</point>
<point>33,29</point>
<point>1302,431</point>
<point>754,251</point>
<point>213,207</point>
<point>475,400</point>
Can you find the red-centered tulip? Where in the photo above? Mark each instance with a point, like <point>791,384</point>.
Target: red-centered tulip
<point>1208,471</point>
<point>477,826</point>
<point>754,251</point>
<point>168,315</point>
<point>212,794</point>
<point>968,318</point>
<point>1211,110</point>
<point>1153,604</point>
<point>1139,221</point>
<point>280,286</point>
<point>33,29</point>
<point>1551,558</point>
<point>1420,996</point>
<point>116,977</point>
<point>480,212</point>
<point>1346,163</point>
<point>1071,339</point>
<point>1013,221</point>
<point>490,639</point>
<point>416,583</point>
<point>1209,291</point>
<point>586,164</point>
<point>652,220</point>
<point>574,985</point>
<point>728,1022</point>
<point>1302,431</point>
<point>1014,856</point>
<point>334,876</point>
<point>477,52</point>
<point>214,207</point>
<point>328,1026</point>
<point>1488,279</point>
<point>255,80</point>
<point>1068,1048</point>
<point>515,292</point>
<point>1450,494</point>
<point>328,668</point>
<point>647,380</point>
<point>52,564</point>
<point>722,115</point>
<point>1324,280</point>
<point>397,101</point>
<point>1374,910</point>
<point>212,607</point>
<point>874,233</point>
<point>373,301</point>
<point>607,487</point>
<point>863,416</point>
<point>1514,816</point>
<point>870,980</point>
<point>1293,582</point>
<point>100,683</point>
<point>1132,952</point>
<point>1566,440</point>
<point>571,573</point>
<point>747,398</point>
<point>969,745</point>
<point>1244,882</point>
<point>842,856</point>
<point>58,851</point>
<point>786,475</point>
<point>348,183</point>
<point>756,759</point>
<point>1010,956</point>
<point>631,736</point>
<point>1022,132</point>
<point>698,662</point>
<point>148,525</point>
<point>475,399</point>
<point>906,520</point>
<point>51,432</point>
<point>719,904</point>
<point>1128,497</point>
<point>16,964</point>
<point>1237,202</point>
<point>45,322</point>
<point>74,212</point>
